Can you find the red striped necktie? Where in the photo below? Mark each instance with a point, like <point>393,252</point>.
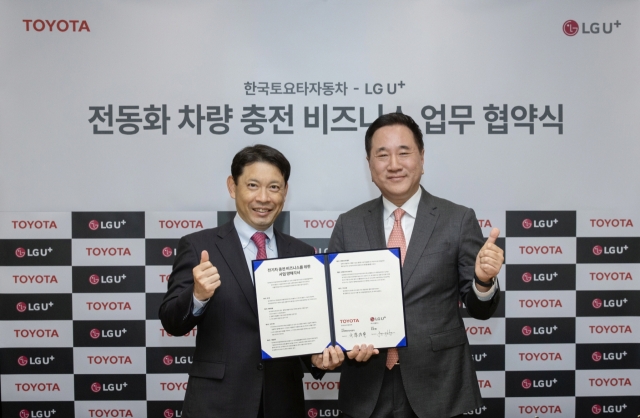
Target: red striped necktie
<point>396,239</point>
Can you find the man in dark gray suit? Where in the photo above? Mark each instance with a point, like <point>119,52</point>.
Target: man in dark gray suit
<point>211,287</point>
<point>444,262</point>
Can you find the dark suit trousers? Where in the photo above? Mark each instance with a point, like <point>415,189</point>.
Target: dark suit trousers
<point>392,401</point>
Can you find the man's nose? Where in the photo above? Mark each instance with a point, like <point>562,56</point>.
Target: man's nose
<point>394,163</point>
<point>263,195</point>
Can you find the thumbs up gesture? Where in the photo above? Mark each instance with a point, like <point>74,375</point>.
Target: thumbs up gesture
<point>490,258</point>
<point>205,278</point>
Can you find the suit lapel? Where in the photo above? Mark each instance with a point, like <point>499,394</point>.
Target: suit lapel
<point>426,219</point>
<point>231,249</point>
<point>374,226</point>
<point>283,245</point>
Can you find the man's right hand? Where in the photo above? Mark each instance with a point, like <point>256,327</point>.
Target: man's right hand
<point>205,278</point>
<point>362,352</point>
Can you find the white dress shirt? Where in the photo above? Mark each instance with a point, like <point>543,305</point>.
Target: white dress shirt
<point>408,221</point>
<point>250,249</point>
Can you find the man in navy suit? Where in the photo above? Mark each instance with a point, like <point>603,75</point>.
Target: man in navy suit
<point>211,287</point>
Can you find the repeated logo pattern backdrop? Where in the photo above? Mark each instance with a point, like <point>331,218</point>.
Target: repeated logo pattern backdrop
<point>79,295</point>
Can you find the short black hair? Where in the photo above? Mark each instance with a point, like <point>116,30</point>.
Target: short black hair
<point>259,153</point>
<point>394,119</point>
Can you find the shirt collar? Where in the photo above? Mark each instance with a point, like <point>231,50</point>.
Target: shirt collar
<point>410,206</point>
<point>245,231</point>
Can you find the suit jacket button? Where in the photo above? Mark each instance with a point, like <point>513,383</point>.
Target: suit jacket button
<point>260,366</point>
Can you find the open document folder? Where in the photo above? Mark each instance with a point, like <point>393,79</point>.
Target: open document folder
<point>308,303</point>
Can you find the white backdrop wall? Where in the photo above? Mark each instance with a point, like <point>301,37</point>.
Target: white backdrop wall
<point>453,53</point>
<point>577,60</point>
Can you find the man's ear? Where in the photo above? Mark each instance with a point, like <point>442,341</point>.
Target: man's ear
<point>231,185</point>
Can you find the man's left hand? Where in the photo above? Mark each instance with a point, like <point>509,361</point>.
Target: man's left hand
<point>329,359</point>
<point>490,258</point>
